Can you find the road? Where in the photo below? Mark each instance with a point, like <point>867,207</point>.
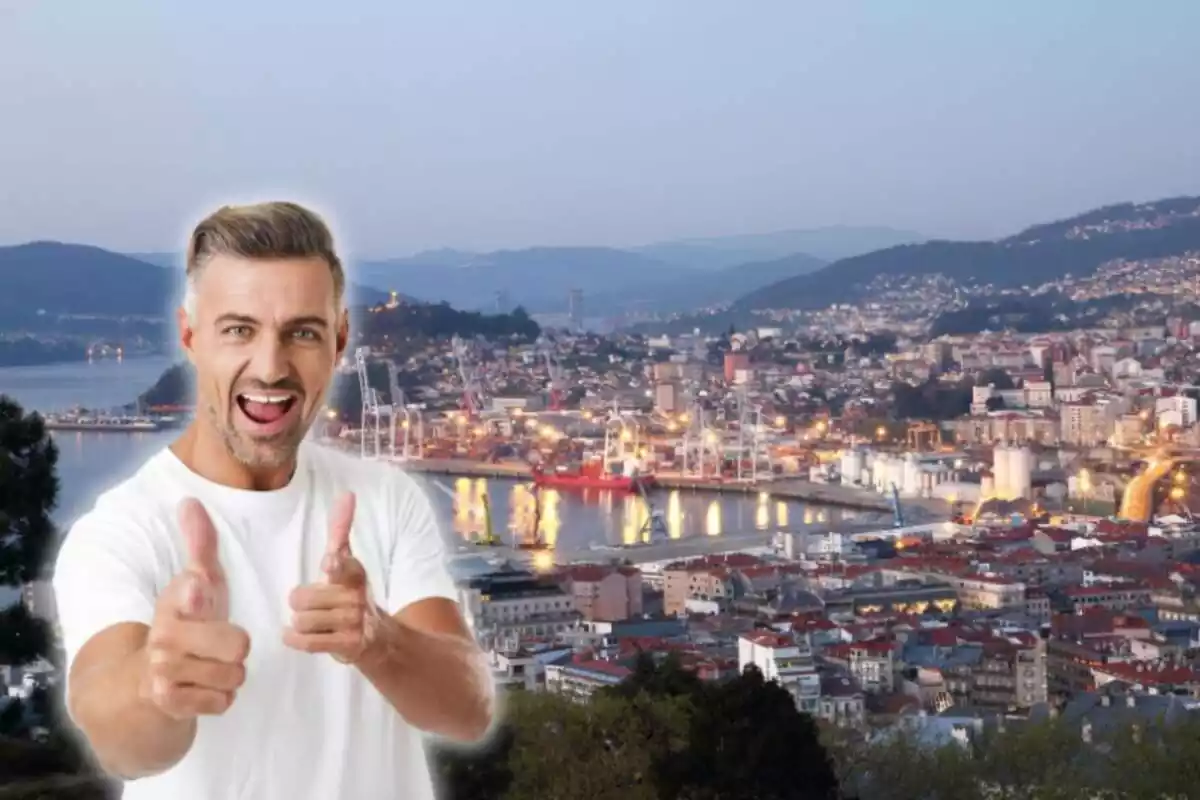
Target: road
<point>1138,501</point>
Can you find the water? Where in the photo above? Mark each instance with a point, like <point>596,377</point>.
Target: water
<point>89,463</point>
<point>100,384</point>
<point>573,521</point>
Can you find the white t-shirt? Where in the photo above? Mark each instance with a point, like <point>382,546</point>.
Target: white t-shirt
<point>302,725</point>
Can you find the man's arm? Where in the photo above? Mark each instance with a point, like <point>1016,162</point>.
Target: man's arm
<point>130,736</point>
<point>142,665</point>
<point>424,660</point>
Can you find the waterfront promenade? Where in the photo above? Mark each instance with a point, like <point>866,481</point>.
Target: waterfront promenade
<point>779,487</point>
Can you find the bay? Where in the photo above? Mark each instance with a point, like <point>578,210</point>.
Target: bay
<point>89,463</point>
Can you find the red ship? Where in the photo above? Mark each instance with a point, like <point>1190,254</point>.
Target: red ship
<point>590,476</point>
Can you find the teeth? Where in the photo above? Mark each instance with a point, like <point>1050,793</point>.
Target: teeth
<point>263,398</point>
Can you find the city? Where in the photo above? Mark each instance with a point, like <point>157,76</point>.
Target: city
<point>807,397</point>
<point>1024,548</point>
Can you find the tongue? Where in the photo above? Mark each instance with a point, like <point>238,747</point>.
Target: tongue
<point>265,412</point>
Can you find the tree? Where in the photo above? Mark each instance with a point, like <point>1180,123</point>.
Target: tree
<point>897,765</point>
<point>747,740</point>
<point>28,492</point>
<point>28,541</point>
<point>610,747</point>
<point>480,771</point>
<point>996,377</point>
<point>1160,759</point>
<point>1037,761</point>
<point>173,387</point>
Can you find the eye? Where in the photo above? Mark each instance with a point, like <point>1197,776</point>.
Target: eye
<point>307,334</point>
<point>237,330</point>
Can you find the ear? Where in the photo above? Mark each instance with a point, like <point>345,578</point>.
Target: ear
<point>343,334</point>
<point>184,323</point>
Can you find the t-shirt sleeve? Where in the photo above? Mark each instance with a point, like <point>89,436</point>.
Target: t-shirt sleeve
<point>417,567</point>
<point>104,575</point>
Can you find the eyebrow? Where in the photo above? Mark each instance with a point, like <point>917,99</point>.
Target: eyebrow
<point>294,322</point>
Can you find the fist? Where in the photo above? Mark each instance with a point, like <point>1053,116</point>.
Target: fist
<point>335,616</point>
<point>194,658</point>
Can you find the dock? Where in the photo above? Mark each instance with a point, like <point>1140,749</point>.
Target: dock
<point>638,554</point>
<point>780,488</point>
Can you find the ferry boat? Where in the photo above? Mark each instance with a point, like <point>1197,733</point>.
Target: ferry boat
<point>591,475</point>
<point>100,423</point>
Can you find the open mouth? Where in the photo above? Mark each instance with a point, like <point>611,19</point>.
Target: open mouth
<point>269,412</point>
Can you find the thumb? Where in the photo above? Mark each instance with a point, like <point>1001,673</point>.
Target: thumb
<point>200,540</point>
<point>337,548</point>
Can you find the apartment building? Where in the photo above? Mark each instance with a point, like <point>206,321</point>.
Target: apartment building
<point>785,659</point>
<point>510,605</point>
<point>602,592</point>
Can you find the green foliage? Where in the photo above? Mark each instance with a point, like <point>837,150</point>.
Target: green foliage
<point>28,491</point>
<point>662,733</point>
<point>173,387</point>
<point>440,321</point>
<point>932,399</point>
<point>1026,761</point>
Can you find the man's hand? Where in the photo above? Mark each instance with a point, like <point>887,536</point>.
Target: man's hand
<point>195,659</point>
<point>336,616</point>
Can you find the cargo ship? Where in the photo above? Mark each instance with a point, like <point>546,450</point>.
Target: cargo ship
<point>100,423</point>
<point>591,475</point>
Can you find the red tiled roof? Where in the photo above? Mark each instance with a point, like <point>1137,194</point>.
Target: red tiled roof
<point>769,639</point>
<point>1147,673</point>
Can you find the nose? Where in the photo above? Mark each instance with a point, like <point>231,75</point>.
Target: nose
<point>269,363</point>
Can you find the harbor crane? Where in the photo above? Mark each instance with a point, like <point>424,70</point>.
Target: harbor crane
<point>622,441</point>
<point>374,413</point>
<point>554,371</point>
<point>469,373</point>
<point>750,439</point>
<point>701,446</point>
<point>413,442</point>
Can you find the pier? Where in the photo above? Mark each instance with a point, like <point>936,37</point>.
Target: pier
<point>784,488</point>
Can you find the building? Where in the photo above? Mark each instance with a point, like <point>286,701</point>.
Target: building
<point>575,309</point>
<point>603,592</point>
<point>785,660</point>
<point>507,606</point>
<point>580,677</point>
<point>668,397</point>
<point>710,578</point>
<point>988,592</point>
<point>736,362</point>
<point>871,663</point>
<point>1179,411</point>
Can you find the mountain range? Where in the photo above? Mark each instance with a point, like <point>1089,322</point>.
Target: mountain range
<point>45,280</point>
<point>48,278</point>
<point>667,276</point>
<point>1042,253</point>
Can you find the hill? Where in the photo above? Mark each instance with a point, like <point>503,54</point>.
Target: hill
<point>827,244</point>
<point>76,279</point>
<point>538,278</point>
<point>80,290</point>
<point>1040,254</point>
<point>359,295</point>
<point>703,289</point>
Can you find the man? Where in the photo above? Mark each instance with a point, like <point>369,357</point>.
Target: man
<point>252,615</point>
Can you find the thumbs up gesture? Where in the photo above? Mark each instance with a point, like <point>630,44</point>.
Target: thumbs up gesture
<point>194,658</point>
<point>336,615</point>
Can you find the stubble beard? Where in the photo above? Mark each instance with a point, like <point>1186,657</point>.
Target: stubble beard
<point>274,452</point>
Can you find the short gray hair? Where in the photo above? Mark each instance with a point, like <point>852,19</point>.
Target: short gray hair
<point>270,230</point>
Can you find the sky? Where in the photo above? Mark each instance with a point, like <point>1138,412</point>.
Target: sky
<point>490,125</point>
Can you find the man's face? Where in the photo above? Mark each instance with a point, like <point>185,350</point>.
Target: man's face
<point>264,338</point>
